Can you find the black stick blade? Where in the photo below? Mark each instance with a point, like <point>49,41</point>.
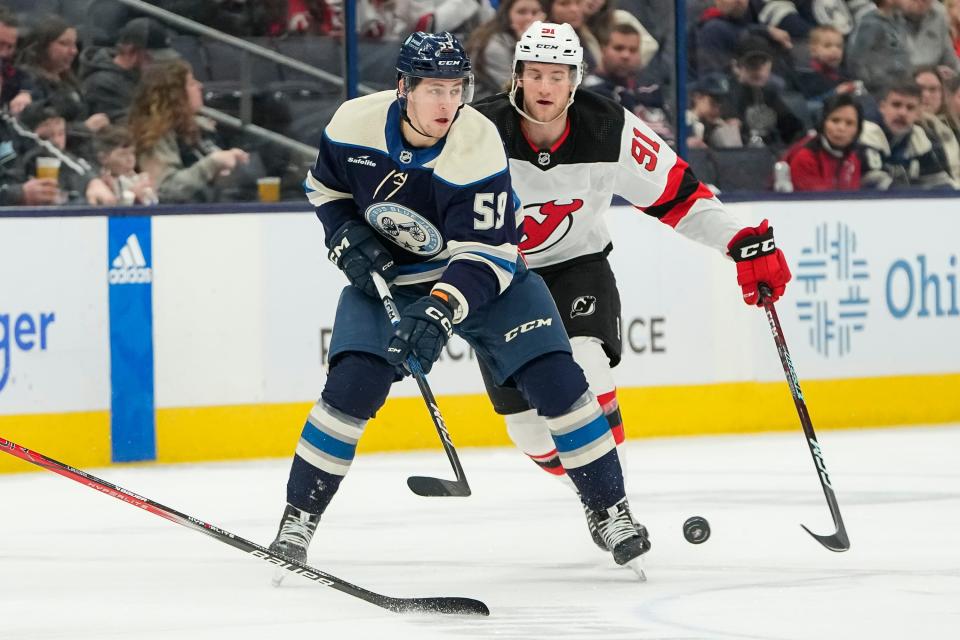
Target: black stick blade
<point>438,487</point>
<point>446,605</point>
<point>837,542</point>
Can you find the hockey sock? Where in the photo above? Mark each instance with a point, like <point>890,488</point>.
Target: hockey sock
<point>588,452</point>
<point>590,355</point>
<point>530,434</point>
<point>611,409</point>
<point>326,448</point>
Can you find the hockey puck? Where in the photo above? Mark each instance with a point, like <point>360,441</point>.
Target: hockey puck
<point>696,530</point>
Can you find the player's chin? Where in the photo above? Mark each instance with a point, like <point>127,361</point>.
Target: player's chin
<point>549,113</point>
<point>440,127</point>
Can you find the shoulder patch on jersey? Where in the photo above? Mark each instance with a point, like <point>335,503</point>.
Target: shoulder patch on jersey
<point>473,151</point>
<point>354,123</point>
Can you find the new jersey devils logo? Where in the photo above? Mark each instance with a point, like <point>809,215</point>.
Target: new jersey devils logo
<point>546,224</point>
<point>583,306</point>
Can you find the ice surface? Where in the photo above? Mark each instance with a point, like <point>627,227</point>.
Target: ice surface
<point>76,564</point>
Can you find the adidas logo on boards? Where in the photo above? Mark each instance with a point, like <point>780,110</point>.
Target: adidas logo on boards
<point>130,267</point>
<point>364,160</point>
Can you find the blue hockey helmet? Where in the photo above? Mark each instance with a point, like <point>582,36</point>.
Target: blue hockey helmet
<point>434,55</point>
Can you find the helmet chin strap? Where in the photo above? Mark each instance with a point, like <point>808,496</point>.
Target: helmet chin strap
<point>519,109</point>
<point>406,118</point>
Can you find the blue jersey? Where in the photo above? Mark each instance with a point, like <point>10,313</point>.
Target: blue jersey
<point>446,213</point>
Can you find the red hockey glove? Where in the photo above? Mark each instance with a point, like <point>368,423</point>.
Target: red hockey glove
<point>759,261</point>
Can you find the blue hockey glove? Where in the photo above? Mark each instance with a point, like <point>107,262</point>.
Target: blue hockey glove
<point>425,326</point>
<point>355,250</point>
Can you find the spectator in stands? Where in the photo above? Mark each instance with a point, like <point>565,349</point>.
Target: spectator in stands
<point>830,158</point>
<point>953,22</point>
<point>721,30</point>
<point>824,78</point>
<point>878,51</point>
<point>110,75</point>
<point>309,16</point>
<point>766,119</point>
<point>14,93</point>
<point>619,77</point>
<point>598,16</point>
<point>491,45</point>
<point>15,187</point>
<point>927,34</point>
<point>571,12</point>
<point>718,31</point>
<point>117,157</point>
<point>799,17</point>
<point>179,155</point>
<point>601,16</point>
<point>48,59</point>
<point>899,153</point>
<point>951,91</point>
<point>77,183</point>
<point>706,126</point>
<point>934,118</point>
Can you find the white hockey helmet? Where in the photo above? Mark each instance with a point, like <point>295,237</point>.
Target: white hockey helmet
<point>550,43</point>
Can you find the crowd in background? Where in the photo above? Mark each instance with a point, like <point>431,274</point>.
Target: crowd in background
<point>844,94</point>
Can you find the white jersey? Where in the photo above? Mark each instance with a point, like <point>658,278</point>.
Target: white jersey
<point>605,151</point>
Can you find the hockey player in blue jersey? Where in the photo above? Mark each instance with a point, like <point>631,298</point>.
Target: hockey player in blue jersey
<point>414,185</point>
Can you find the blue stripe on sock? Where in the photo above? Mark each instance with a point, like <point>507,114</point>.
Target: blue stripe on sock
<point>328,444</point>
<point>593,430</point>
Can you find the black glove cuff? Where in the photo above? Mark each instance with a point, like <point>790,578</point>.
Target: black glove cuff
<point>751,247</point>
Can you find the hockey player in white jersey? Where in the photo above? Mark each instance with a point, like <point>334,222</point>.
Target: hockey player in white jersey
<point>570,152</point>
<point>415,186</point>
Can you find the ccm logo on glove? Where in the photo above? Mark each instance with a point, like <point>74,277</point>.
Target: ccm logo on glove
<point>759,261</point>
<point>356,251</point>
<point>757,248</point>
<point>442,318</point>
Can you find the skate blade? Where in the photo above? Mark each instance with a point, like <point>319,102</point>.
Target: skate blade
<point>636,565</point>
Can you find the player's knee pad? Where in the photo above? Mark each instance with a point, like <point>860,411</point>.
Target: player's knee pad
<point>551,383</point>
<point>589,354</point>
<point>358,384</point>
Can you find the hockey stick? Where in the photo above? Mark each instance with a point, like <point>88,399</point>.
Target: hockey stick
<point>423,485</point>
<point>451,605</point>
<point>838,541</point>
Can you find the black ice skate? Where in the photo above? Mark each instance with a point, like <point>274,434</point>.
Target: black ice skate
<point>594,527</point>
<point>296,529</point>
<point>624,537</point>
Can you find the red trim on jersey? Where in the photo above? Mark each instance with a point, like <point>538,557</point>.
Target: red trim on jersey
<point>674,179</point>
<point>556,145</point>
<point>677,213</point>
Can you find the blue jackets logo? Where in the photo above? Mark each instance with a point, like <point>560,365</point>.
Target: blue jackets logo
<point>130,267</point>
<point>404,227</point>
<point>832,280</point>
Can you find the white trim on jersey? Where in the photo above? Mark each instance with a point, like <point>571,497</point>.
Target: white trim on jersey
<point>319,194</point>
